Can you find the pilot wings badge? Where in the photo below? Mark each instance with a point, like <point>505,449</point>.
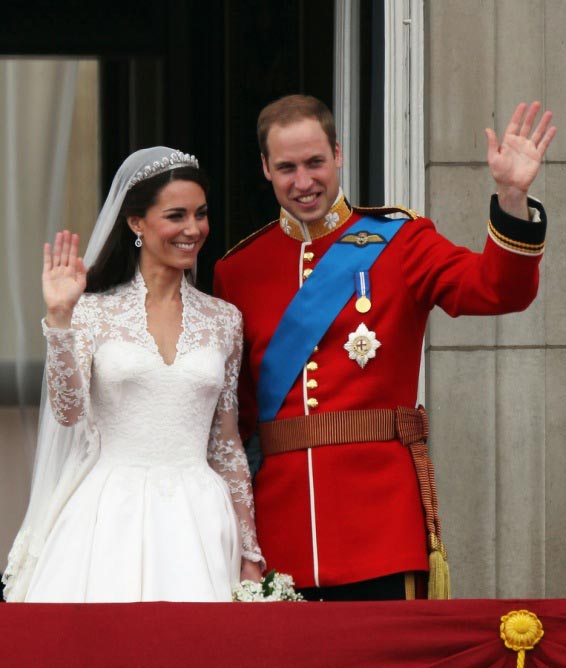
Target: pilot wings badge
<point>362,239</point>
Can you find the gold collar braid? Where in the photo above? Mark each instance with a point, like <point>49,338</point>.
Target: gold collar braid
<point>336,217</point>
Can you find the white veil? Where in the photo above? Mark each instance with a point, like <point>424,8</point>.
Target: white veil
<point>64,455</point>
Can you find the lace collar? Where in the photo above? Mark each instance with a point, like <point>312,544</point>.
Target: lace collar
<point>138,286</point>
<point>138,289</point>
<point>339,213</point>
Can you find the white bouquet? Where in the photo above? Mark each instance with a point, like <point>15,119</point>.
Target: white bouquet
<point>272,587</point>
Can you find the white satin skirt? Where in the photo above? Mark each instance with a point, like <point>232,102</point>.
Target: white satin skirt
<point>131,533</point>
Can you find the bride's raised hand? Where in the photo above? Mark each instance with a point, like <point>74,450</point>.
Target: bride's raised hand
<point>63,278</point>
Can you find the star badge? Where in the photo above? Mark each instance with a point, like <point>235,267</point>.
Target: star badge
<point>361,345</point>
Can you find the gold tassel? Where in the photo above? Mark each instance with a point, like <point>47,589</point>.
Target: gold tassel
<point>439,573</point>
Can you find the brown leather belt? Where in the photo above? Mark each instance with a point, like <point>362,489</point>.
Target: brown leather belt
<point>408,425</point>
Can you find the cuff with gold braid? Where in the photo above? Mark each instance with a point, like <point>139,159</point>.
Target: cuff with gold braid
<point>524,237</point>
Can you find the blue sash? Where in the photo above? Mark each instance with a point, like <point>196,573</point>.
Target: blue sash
<point>315,307</point>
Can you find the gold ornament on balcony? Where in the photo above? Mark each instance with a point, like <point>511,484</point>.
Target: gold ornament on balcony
<point>520,630</point>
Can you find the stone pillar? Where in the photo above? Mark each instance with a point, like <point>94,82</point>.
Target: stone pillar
<point>497,386</point>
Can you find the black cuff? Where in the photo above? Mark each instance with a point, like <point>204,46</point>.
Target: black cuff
<point>515,234</point>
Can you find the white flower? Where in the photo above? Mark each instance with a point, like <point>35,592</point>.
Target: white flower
<point>273,587</point>
<point>330,220</point>
<point>361,345</point>
<point>285,225</point>
<point>247,591</point>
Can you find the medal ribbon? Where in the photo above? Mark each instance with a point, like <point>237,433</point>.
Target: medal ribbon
<point>363,285</point>
<point>314,308</point>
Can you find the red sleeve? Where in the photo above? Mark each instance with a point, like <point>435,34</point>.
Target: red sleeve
<point>502,279</point>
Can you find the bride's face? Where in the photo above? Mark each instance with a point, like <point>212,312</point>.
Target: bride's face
<point>175,227</point>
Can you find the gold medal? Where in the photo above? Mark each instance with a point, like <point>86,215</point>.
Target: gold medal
<point>363,304</point>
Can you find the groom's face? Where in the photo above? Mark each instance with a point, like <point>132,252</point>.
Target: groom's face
<point>303,168</point>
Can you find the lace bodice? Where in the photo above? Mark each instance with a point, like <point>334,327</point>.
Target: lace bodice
<point>108,368</point>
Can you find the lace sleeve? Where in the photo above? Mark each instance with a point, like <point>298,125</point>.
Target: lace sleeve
<point>69,356</point>
<point>226,454</point>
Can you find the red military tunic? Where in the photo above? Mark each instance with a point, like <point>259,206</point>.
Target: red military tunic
<point>338,514</point>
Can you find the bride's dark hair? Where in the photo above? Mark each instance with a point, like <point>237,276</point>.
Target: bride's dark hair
<point>116,263</point>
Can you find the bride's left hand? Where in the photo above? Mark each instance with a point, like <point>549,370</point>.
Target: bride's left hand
<point>250,570</point>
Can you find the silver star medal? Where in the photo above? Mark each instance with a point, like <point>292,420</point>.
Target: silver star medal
<point>361,345</point>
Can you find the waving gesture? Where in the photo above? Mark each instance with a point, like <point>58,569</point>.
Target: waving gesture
<point>63,278</point>
<point>514,163</point>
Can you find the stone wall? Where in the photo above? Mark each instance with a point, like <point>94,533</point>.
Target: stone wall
<point>496,387</point>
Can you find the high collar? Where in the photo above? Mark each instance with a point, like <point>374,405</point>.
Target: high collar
<point>139,287</point>
<point>338,214</point>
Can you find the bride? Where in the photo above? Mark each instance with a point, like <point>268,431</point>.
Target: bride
<point>141,489</point>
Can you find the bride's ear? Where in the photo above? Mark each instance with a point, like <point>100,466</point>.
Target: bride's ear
<point>134,223</point>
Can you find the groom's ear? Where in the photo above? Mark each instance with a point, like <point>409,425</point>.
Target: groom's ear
<point>265,165</point>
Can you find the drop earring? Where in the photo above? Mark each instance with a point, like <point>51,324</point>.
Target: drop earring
<point>138,241</point>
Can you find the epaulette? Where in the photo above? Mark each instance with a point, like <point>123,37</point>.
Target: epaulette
<point>247,240</point>
<point>386,211</point>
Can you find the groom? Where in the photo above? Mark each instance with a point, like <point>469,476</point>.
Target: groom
<point>335,301</point>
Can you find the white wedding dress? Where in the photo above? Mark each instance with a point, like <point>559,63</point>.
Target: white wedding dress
<point>166,512</point>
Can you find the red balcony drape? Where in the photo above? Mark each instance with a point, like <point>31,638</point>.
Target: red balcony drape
<point>405,634</point>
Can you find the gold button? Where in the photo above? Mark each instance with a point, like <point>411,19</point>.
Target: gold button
<point>311,384</point>
<point>312,402</point>
<point>312,366</point>
<point>315,349</point>
<point>308,256</point>
<point>307,273</point>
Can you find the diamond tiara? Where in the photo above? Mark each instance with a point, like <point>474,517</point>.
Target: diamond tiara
<point>176,159</point>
